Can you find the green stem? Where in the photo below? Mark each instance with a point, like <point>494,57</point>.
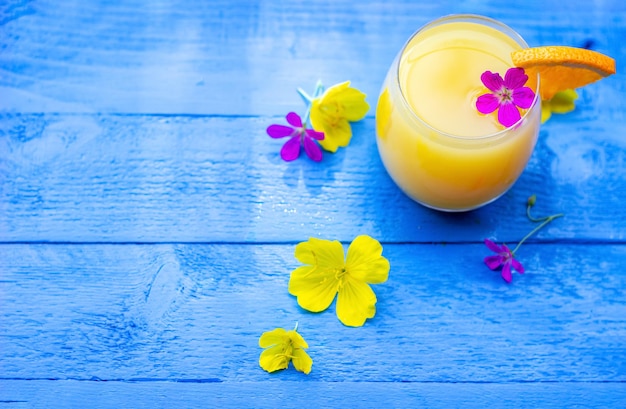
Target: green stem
<point>305,120</point>
<point>546,220</point>
<point>319,89</point>
<point>533,219</point>
<point>306,97</point>
<point>308,100</point>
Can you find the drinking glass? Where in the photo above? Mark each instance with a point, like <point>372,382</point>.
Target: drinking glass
<point>432,140</point>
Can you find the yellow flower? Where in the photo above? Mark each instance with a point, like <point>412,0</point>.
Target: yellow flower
<point>326,274</point>
<point>284,346</point>
<point>333,111</point>
<point>561,103</point>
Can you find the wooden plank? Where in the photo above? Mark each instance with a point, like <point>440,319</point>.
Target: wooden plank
<point>238,58</point>
<point>184,159</point>
<point>195,313</point>
<point>99,178</point>
<point>273,394</point>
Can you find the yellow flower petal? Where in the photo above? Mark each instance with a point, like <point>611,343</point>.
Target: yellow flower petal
<point>319,252</point>
<point>336,90</point>
<point>274,337</point>
<point>302,361</point>
<point>354,105</point>
<point>365,261</point>
<point>336,135</point>
<point>315,288</point>
<point>316,285</point>
<point>296,339</point>
<point>347,101</point>
<point>563,101</point>
<point>355,303</point>
<point>274,358</point>
<point>331,112</point>
<point>284,346</point>
<point>546,111</point>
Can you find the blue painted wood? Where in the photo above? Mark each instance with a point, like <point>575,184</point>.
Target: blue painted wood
<point>86,178</point>
<point>193,312</point>
<point>246,58</point>
<point>147,223</point>
<point>293,394</point>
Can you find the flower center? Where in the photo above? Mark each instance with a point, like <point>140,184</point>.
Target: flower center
<point>507,256</point>
<point>505,95</point>
<point>287,350</point>
<point>340,275</point>
<point>333,112</point>
<point>302,133</point>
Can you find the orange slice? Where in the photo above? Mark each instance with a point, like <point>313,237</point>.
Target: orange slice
<point>561,68</point>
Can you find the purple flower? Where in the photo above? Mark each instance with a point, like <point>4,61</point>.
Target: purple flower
<point>506,95</point>
<point>504,259</point>
<point>299,136</point>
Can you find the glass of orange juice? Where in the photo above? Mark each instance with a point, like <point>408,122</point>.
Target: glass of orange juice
<point>435,144</point>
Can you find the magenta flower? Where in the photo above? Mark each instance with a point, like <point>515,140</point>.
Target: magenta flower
<point>504,259</point>
<point>506,95</point>
<point>299,136</point>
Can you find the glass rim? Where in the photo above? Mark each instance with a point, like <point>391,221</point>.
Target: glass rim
<point>470,18</point>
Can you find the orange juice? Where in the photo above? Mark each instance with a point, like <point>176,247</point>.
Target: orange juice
<point>431,138</point>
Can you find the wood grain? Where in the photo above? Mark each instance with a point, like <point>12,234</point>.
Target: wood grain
<point>147,223</point>
<point>195,312</point>
<point>102,178</point>
<point>247,58</point>
<point>294,394</point>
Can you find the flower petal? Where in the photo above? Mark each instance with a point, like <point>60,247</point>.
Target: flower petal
<point>336,135</point>
<point>315,288</point>
<point>296,339</point>
<point>320,252</point>
<point>515,78</point>
<point>493,262</point>
<point>505,249</point>
<point>350,99</point>
<point>523,97</point>
<point>493,246</point>
<point>493,81</point>
<point>487,103</point>
<point>314,134</point>
<point>302,361</point>
<point>294,119</point>
<point>518,266</point>
<point>356,303</point>
<point>506,272</point>
<point>508,114</point>
<point>274,359</point>
<point>279,131</point>
<point>316,285</point>
<point>333,91</point>
<point>312,150</point>
<point>563,101</point>
<point>546,111</point>
<point>332,112</point>
<point>274,337</point>
<point>291,149</point>
<point>365,262</point>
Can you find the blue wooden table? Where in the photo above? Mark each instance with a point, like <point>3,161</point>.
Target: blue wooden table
<point>148,223</point>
